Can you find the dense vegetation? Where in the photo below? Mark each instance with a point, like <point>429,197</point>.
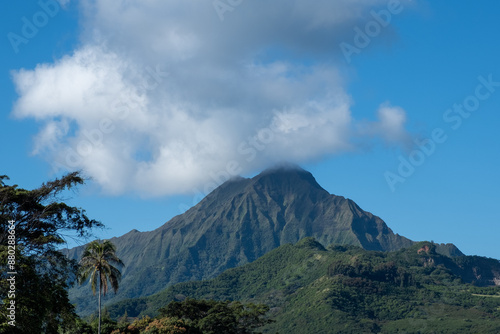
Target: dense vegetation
<point>32,226</point>
<point>345,289</point>
<point>187,317</point>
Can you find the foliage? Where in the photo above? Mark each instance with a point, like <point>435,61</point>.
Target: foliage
<point>107,324</point>
<point>163,325</point>
<point>201,317</point>
<point>138,326</point>
<point>345,289</point>
<point>166,326</point>
<point>100,262</point>
<point>78,327</point>
<point>40,222</point>
<point>211,317</point>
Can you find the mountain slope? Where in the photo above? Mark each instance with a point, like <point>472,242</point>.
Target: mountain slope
<point>345,289</point>
<point>237,223</point>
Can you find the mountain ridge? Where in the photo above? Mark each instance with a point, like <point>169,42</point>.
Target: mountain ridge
<point>237,223</point>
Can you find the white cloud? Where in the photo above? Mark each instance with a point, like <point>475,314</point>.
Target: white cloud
<point>162,93</point>
<point>390,126</point>
<point>392,121</point>
<point>49,137</point>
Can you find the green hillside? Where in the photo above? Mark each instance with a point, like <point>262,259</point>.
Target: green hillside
<point>237,223</point>
<point>345,289</point>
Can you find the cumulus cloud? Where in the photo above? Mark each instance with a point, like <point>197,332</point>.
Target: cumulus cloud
<point>390,126</point>
<point>162,95</point>
<point>49,137</point>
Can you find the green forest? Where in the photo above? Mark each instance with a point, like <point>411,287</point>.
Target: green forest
<point>345,289</point>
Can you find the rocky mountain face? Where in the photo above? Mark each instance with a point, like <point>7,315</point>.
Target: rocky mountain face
<point>237,223</point>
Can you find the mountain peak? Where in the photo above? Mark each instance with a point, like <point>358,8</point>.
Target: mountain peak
<point>284,167</point>
<point>240,221</point>
<point>287,173</point>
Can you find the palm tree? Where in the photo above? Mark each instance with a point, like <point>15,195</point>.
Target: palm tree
<point>99,261</point>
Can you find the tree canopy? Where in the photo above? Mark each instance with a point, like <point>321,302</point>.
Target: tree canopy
<point>35,222</point>
<point>211,316</point>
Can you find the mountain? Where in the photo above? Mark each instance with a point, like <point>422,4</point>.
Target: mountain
<point>237,223</point>
<point>346,289</point>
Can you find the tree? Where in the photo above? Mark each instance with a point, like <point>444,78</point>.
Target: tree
<point>33,224</point>
<point>211,316</point>
<point>100,263</point>
<point>107,325</point>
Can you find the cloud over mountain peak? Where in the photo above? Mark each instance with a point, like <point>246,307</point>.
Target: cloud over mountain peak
<point>161,94</point>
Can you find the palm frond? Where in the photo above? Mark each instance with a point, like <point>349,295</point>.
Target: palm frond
<point>100,262</point>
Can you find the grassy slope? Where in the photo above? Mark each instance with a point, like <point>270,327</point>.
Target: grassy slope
<point>346,289</point>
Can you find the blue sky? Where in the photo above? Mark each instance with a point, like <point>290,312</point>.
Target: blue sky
<point>153,99</point>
